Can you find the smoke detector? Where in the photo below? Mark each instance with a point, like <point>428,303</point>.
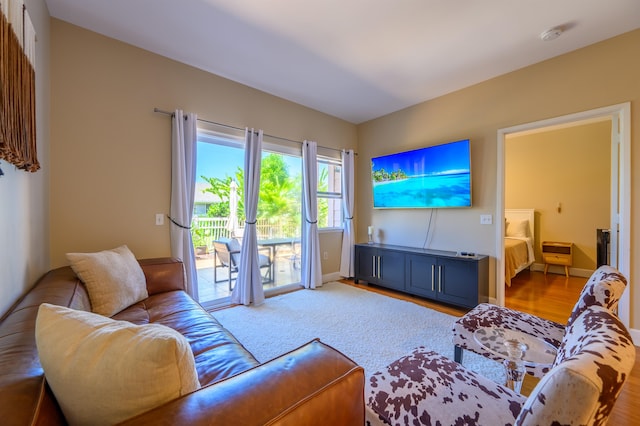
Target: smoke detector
<point>551,34</point>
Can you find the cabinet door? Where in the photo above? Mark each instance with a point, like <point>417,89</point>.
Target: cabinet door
<point>366,264</point>
<point>391,269</point>
<point>422,275</point>
<point>458,282</point>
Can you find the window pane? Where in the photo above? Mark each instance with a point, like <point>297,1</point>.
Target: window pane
<point>218,211</point>
<point>280,204</point>
<point>279,214</point>
<point>329,194</point>
<point>329,177</point>
<point>329,212</point>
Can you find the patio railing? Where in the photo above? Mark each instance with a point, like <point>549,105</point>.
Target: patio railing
<point>206,230</point>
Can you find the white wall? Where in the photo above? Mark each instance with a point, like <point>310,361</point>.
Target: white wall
<point>24,197</point>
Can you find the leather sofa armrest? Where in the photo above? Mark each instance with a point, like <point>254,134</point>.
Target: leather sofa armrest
<point>312,385</point>
<point>163,274</point>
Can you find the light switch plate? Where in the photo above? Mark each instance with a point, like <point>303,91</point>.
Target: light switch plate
<point>159,219</point>
<point>486,219</point>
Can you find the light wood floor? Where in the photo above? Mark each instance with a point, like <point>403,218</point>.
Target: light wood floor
<point>551,297</point>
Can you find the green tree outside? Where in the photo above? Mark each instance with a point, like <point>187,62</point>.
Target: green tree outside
<point>279,193</point>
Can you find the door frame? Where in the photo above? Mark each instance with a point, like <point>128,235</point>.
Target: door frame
<point>620,116</point>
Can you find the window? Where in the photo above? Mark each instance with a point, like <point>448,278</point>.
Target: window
<point>329,193</point>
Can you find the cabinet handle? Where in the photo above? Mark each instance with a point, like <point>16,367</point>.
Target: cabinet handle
<point>433,277</point>
<point>439,278</point>
<point>373,266</point>
<point>379,277</point>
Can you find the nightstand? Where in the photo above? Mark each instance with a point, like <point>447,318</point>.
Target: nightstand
<point>557,253</point>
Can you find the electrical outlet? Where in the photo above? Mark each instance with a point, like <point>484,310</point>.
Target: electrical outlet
<point>159,219</point>
<point>486,219</point>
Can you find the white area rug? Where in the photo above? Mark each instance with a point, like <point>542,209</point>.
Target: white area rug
<point>371,329</point>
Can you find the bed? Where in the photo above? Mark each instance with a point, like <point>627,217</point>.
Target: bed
<point>518,241</point>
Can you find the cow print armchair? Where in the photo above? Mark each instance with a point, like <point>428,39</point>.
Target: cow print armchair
<point>604,288</point>
<point>594,359</point>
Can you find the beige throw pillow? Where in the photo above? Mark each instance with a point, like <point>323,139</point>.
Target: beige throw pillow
<point>104,371</point>
<point>114,279</point>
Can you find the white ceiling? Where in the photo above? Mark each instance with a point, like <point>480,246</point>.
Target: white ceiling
<point>354,59</point>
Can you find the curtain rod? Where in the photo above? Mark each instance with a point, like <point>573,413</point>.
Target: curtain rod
<point>158,110</point>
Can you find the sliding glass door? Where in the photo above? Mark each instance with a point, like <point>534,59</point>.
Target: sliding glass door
<point>279,215</point>
<point>218,223</point>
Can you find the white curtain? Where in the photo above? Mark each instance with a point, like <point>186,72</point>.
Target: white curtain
<point>310,267</point>
<point>347,259</point>
<point>248,287</point>
<point>183,172</point>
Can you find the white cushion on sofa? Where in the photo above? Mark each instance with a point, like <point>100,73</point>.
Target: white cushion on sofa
<point>104,371</point>
<point>114,279</point>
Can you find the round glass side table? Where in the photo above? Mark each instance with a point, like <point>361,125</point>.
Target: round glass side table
<point>517,350</point>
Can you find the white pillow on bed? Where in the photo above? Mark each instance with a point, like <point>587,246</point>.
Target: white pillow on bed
<point>517,228</point>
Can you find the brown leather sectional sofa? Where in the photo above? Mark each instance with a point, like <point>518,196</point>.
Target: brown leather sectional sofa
<point>314,384</point>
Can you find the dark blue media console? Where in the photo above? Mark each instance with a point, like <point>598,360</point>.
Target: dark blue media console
<point>439,275</point>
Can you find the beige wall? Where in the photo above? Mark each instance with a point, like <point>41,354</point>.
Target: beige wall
<point>599,75</point>
<point>24,197</point>
<point>570,166</point>
<point>331,245</point>
<point>111,154</point>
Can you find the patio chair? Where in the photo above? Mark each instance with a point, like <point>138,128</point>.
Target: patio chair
<point>296,257</point>
<point>227,255</point>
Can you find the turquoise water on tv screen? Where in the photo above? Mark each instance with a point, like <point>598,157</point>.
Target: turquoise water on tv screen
<point>452,190</point>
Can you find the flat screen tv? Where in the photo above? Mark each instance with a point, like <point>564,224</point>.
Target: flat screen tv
<point>433,177</point>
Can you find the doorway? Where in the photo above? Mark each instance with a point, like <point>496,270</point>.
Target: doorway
<point>619,115</point>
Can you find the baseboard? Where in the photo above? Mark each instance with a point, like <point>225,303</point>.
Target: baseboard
<point>333,276</point>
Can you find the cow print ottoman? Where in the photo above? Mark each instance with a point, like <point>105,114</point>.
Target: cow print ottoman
<point>424,386</point>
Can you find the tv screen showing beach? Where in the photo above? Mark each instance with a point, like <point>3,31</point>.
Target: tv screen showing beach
<point>433,177</point>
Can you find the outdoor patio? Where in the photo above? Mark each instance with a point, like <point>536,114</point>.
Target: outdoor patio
<point>286,271</point>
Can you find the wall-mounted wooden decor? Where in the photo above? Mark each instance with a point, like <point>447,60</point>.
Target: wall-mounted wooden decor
<point>17,86</point>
